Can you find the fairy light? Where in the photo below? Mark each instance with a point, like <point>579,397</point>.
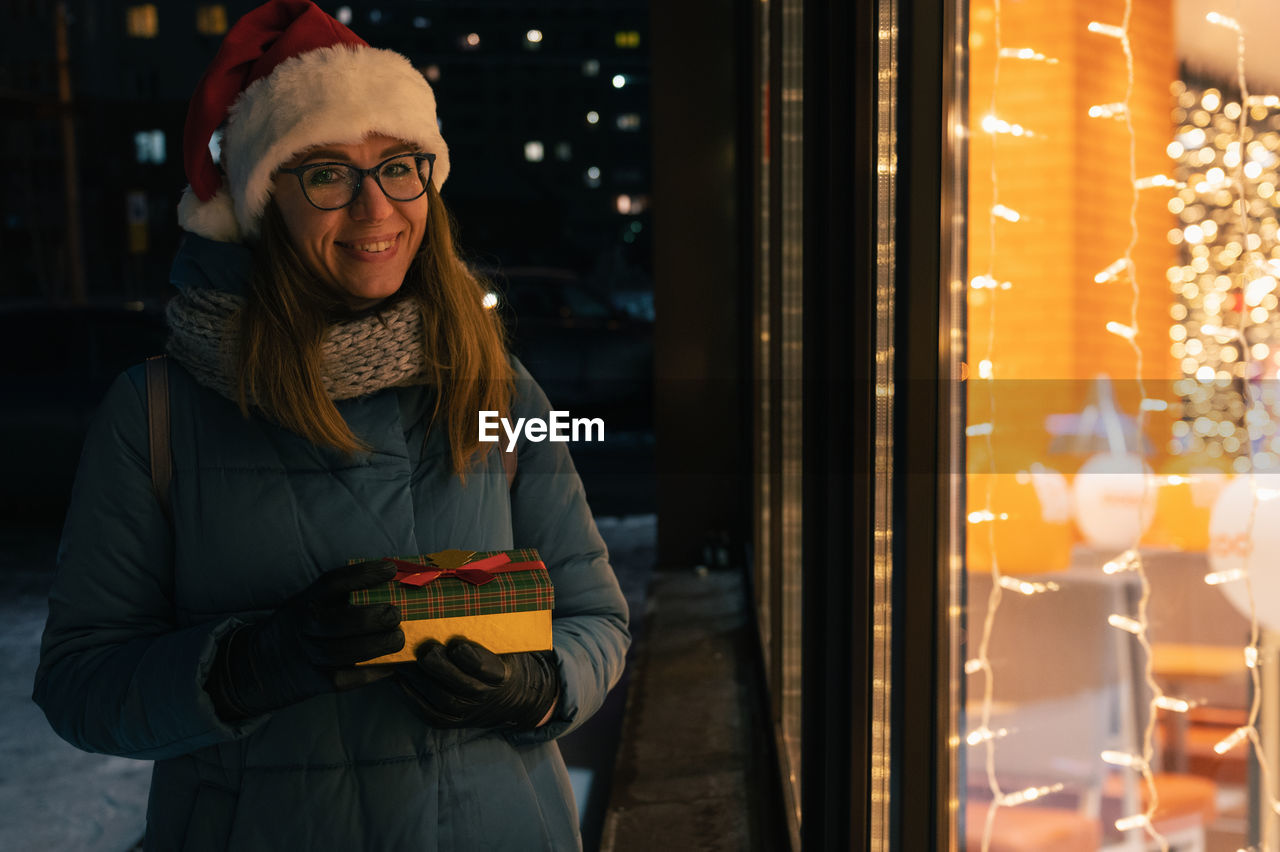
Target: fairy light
<point>1027,53</point>
<point>1173,705</point>
<point>1227,307</point>
<point>1116,110</point>
<point>981,735</point>
<point>1124,759</point>
<point>1030,794</point>
<point>1217,578</point>
<point>1119,329</point>
<point>986,282</point>
<point>979,429</point>
<point>1136,821</point>
<point>982,663</point>
<point>1127,561</point>
<point>1112,272</point>
<point>1157,181</point>
<point>1025,587</point>
<point>1006,213</point>
<point>1124,622</point>
<point>1232,740</point>
<point>1109,30</point>
<point>994,125</point>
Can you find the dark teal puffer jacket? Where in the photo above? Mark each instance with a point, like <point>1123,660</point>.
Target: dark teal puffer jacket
<point>258,513</point>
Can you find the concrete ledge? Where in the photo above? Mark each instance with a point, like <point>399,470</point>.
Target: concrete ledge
<point>695,767</point>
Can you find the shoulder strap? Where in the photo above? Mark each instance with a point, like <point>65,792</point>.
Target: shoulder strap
<point>509,465</point>
<point>158,428</point>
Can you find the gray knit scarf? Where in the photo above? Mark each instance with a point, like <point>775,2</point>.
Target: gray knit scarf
<point>359,356</point>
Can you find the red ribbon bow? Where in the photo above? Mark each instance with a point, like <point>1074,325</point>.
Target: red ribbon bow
<point>477,573</point>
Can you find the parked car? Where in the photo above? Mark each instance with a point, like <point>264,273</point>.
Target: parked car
<point>590,356</point>
<point>56,364</point>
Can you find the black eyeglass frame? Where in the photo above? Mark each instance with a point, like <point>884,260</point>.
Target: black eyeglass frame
<point>361,174</point>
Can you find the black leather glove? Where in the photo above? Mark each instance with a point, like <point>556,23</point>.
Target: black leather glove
<point>465,685</point>
<point>307,647</point>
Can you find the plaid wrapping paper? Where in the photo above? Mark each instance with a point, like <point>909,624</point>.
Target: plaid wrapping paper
<point>446,596</point>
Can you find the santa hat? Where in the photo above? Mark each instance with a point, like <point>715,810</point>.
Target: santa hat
<point>287,78</point>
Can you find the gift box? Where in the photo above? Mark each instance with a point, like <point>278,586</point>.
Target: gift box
<point>500,599</point>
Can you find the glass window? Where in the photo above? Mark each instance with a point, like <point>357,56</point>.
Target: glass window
<point>142,21</point>
<point>1121,612</point>
<point>211,19</point>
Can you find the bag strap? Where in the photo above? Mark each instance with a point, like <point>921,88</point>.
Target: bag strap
<point>509,465</point>
<point>158,428</point>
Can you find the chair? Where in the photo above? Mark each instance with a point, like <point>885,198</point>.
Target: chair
<point>1065,691</point>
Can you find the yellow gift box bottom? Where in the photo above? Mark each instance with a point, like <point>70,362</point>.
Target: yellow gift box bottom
<point>502,633</point>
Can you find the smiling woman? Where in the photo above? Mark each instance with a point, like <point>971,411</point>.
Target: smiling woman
<point>357,235</point>
<point>330,355</point>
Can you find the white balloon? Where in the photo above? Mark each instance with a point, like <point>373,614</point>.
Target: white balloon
<point>1244,536</point>
<point>1113,500</point>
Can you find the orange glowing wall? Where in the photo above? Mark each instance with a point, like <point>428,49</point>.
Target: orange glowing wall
<point>1070,182</point>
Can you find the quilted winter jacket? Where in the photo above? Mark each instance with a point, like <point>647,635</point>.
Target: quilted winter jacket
<point>258,513</point>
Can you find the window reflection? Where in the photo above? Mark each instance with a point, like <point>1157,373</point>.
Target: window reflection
<point>1123,342</point>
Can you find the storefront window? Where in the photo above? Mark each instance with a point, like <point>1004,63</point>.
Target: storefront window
<point>1121,603</point>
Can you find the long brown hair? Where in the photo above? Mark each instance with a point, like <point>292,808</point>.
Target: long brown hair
<point>287,312</point>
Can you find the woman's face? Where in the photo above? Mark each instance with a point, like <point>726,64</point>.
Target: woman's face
<point>362,250</point>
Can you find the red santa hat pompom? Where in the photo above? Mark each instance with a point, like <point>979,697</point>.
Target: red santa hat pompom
<point>287,78</point>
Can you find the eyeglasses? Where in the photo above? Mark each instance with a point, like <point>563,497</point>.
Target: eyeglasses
<point>332,186</point>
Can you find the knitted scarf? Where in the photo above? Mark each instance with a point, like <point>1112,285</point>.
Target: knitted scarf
<point>359,356</point>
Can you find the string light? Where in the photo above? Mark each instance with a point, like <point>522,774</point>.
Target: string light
<point>1030,794</point>
<point>1127,561</point>
<point>1232,740</point>
<point>1024,587</point>
<point>1124,622</point>
<point>1156,181</point>
<point>981,735</point>
<point>1027,53</point>
<point>1119,329</point>
<point>1112,271</point>
<point>1116,110</point>
<point>1006,213</point>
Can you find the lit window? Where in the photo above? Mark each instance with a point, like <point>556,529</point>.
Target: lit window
<point>142,21</point>
<point>593,117</point>
<point>343,14</point>
<point>533,151</point>
<point>149,146</point>
<point>591,68</point>
<point>211,20</point>
<point>564,151</point>
<point>626,38</point>
<point>619,81</point>
<point>628,121</point>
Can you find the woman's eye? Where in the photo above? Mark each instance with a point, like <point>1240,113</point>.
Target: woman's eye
<point>324,176</point>
<point>396,170</point>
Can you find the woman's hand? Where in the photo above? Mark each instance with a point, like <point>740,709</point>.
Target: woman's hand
<point>307,647</point>
<point>465,685</point>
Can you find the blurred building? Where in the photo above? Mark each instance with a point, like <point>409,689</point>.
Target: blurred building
<point>545,108</point>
